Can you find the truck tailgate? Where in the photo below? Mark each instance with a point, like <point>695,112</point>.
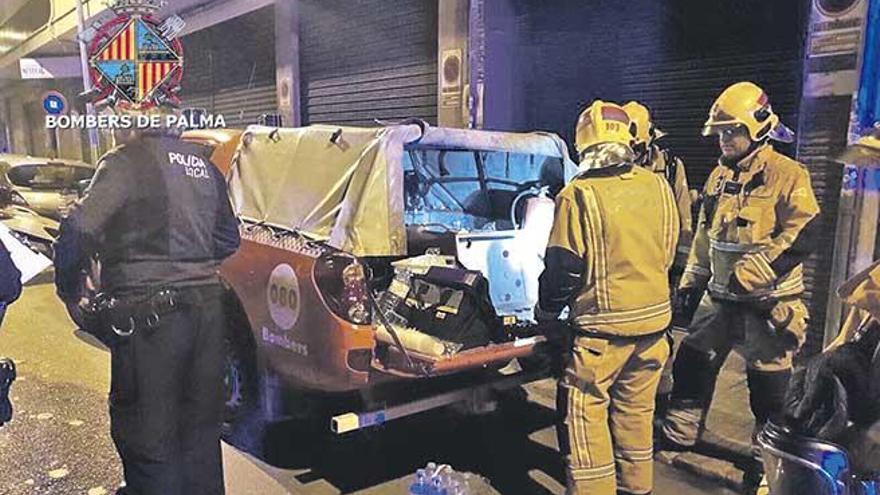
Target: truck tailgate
<point>396,363</point>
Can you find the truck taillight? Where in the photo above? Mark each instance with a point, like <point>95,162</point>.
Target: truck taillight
<point>354,293</point>
<point>342,281</point>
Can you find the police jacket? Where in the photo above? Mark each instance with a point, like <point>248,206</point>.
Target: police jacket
<point>755,229</point>
<point>157,214</point>
<point>611,247</point>
<point>672,169</point>
<point>10,280</point>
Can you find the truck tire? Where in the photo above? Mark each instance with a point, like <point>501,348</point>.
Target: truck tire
<point>243,422</point>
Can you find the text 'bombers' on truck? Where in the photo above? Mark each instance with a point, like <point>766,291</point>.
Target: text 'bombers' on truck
<point>397,264</point>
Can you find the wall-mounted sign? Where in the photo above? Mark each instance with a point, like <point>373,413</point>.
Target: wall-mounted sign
<point>450,78</point>
<point>54,103</point>
<point>833,47</point>
<point>49,67</point>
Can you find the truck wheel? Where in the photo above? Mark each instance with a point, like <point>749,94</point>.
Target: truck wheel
<point>242,418</point>
<point>235,380</point>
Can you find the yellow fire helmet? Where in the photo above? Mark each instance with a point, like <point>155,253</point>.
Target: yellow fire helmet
<point>639,115</point>
<point>603,122</point>
<point>865,152</point>
<point>743,103</point>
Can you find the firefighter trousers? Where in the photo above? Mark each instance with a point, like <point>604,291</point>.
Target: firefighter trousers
<point>606,395</point>
<point>167,400</point>
<point>717,327</point>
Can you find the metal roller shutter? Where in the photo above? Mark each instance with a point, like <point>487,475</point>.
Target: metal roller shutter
<point>680,94</point>
<point>230,68</point>
<point>815,148</point>
<point>384,66</point>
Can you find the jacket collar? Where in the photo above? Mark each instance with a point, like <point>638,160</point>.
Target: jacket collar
<point>607,171</point>
<point>756,158</point>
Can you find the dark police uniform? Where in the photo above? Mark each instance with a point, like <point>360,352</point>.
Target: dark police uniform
<point>158,217</point>
<point>10,281</point>
<point>10,290</point>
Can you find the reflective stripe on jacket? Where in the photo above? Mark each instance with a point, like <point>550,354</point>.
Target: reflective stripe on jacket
<point>750,222</point>
<point>672,168</point>
<point>621,224</point>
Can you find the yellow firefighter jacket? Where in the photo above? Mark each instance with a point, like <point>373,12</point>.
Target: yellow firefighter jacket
<point>672,168</point>
<point>751,216</point>
<point>862,293</point>
<point>622,223</point>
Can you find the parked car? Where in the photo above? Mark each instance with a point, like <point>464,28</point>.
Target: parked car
<point>32,229</point>
<point>47,185</point>
<point>326,211</point>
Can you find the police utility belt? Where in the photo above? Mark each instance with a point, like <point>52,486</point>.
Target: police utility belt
<point>112,319</point>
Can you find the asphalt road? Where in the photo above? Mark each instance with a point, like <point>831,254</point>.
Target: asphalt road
<point>59,441</point>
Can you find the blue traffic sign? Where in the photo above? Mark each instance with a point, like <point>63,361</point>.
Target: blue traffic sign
<point>54,103</point>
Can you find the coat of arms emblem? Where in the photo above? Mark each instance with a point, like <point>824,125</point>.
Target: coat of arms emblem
<point>136,60</point>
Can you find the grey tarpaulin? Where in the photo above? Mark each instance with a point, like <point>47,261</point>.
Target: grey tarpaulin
<point>345,184</point>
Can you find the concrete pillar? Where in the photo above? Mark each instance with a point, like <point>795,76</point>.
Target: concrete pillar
<point>452,59</point>
<point>857,215</point>
<point>287,78</point>
<point>19,142</point>
<point>5,128</point>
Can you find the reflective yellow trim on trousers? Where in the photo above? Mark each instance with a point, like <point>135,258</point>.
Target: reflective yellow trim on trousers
<point>645,455</point>
<point>624,316</point>
<point>587,474</point>
<point>698,270</point>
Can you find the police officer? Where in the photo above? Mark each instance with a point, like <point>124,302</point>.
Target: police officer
<point>158,218</point>
<point>752,237</point>
<point>612,244</point>
<point>10,290</point>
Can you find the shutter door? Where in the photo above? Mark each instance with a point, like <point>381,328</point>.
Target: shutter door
<point>815,148</point>
<point>680,94</point>
<point>381,66</point>
<point>230,68</point>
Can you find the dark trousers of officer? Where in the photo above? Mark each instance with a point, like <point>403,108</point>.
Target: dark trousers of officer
<point>166,400</point>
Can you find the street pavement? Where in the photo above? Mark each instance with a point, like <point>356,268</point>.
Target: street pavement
<point>59,443</point>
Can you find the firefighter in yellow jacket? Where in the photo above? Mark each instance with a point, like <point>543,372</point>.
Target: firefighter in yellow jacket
<point>650,155</point>
<point>660,161</point>
<point>753,233</point>
<point>612,244</point>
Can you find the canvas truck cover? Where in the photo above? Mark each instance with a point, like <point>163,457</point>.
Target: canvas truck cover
<point>344,185</point>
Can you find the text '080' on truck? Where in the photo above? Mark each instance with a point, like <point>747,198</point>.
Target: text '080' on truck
<point>396,266</point>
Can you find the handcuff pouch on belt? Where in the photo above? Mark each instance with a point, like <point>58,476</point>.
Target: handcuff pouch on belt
<point>115,319</point>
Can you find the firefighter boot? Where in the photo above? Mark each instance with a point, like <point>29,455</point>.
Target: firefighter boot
<point>694,374</point>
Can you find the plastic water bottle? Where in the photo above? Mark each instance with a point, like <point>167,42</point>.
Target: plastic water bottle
<point>388,303</point>
<point>437,486</point>
<point>420,485</point>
